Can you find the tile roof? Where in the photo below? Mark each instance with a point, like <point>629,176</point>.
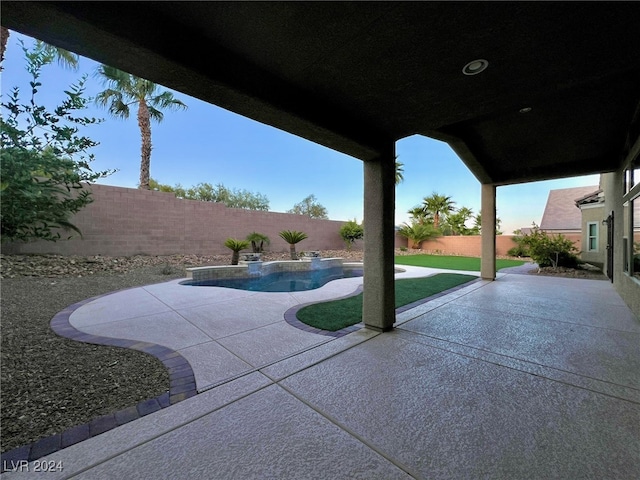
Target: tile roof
<point>561,212</point>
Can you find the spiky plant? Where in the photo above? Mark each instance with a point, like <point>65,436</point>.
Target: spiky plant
<point>292,237</point>
<point>235,245</point>
<point>258,240</point>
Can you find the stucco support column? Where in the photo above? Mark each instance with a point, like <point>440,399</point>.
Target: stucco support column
<point>488,210</point>
<point>378,308</point>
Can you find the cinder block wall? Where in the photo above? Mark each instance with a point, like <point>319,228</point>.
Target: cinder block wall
<point>467,245</point>
<point>471,245</point>
<point>128,221</point>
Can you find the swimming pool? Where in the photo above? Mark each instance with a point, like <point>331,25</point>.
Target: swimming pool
<point>282,281</point>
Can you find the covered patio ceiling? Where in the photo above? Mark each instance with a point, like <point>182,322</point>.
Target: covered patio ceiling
<point>560,96</point>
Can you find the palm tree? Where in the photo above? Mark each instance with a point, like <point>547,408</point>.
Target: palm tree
<point>437,205</point>
<point>235,245</point>
<point>292,237</point>
<point>64,57</point>
<point>257,241</point>
<point>457,221</point>
<point>418,215</point>
<point>124,90</point>
<point>417,233</point>
<point>399,172</point>
<point>477,225</point>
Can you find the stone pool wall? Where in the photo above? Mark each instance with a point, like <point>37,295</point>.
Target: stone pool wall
<point>264,268</point>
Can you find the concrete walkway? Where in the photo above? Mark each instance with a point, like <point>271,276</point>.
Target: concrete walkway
<point>524,377</point>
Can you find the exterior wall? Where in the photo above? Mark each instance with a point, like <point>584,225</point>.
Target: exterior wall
<point>467,245</point>
<point>594,214</point>
<point>128,221</point>
<point>628,288</point>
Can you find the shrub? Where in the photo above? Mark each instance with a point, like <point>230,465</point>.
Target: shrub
<point>235,245</point>
<point>520,250</point>
<point>550,250</point>
<point>350,232</point>
<point>44,160</point>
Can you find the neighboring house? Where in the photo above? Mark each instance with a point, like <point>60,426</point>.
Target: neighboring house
<point>593,226</point>
<point>561,215</point>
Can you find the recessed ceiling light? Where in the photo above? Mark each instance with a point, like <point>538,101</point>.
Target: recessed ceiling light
<point>474,67</point>
<point>525,110</point>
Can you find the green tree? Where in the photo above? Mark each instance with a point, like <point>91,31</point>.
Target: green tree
<point>258,240</point>
<point>477,225</point>
<point>124,90</point>
<point>159,187</point>
<point>438,205</point>
<point>309,207</point>
<point>455,223</point>
<point>350,232</point>
<point>417,233</point>
<point>232,198</point>
<point>44,160</point>
<point>235,245</point>
<point>292,237</point>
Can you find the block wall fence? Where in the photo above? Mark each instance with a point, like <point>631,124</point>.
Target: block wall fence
<point>128,221</point>
<point>471,245</point>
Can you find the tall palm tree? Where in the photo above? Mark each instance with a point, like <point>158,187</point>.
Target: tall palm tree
<point>399,172</point>
<point>437,205</point>
<point>124,90</point>
<point>64,57</point>
<point>4,37</point>
<point>418,215</point>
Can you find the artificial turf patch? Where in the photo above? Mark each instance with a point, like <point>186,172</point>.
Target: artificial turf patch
<point>338,314</point>
<point>471,264</point>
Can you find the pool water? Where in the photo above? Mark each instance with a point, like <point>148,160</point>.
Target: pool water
<point>282,281</point>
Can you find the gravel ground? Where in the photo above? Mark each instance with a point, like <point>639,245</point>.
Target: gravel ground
<point>50,383</point>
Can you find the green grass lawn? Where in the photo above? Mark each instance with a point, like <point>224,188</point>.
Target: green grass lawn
<point>338,314</point>
<point>471,264</point>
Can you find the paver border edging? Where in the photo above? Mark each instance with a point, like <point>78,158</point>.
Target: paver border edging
<point>182,385</point>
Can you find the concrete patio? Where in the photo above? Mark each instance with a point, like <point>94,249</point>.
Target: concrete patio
<point>523,377</point>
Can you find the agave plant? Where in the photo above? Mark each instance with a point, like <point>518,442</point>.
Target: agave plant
<point>258,240</point>
<point>292,237</point>
<point>235,245</point>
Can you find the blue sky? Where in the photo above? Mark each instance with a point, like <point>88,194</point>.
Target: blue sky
<point>208,144</point>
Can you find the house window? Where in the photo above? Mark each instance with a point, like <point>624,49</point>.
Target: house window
<point>592,237</point>
<point>635,250</point>
<point>631,219</point>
